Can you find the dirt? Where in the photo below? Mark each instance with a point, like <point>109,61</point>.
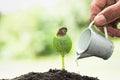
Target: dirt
<point>53,75</point>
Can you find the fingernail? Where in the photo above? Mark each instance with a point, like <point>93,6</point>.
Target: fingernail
<point>100,20</point>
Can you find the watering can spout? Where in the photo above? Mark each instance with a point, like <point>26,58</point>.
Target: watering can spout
<point>82,55</point>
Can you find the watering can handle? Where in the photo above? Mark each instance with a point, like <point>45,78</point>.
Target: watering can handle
<point>105,29</point>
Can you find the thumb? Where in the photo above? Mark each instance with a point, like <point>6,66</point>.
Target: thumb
<point>108,15</point>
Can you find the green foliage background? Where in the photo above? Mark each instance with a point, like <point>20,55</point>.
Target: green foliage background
<point>29,33</point>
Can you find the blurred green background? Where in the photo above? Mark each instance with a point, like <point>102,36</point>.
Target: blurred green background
<point>27,28</point>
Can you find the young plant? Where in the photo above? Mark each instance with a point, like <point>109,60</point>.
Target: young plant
<point>62,43</point>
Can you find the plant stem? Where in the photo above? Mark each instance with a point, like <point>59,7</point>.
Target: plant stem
<point>63,63</point>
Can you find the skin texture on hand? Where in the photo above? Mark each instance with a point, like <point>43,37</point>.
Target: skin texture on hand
<point>106,13</point>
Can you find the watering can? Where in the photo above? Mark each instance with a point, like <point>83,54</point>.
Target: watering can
<point>91,44</point>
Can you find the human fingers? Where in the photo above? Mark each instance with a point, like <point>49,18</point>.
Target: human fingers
<point>96,7</point>
<point>112,31</point>
<point>108,15</point>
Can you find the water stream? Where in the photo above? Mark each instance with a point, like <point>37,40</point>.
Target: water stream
<point>77,66</point>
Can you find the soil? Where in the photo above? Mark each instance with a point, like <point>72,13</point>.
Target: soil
<point>53,75</point>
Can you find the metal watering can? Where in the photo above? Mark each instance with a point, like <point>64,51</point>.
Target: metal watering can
<point>91,43</point>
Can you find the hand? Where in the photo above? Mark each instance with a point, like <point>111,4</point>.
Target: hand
<point>106,13</point>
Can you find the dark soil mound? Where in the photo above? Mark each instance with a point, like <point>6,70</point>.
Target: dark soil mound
<point>53,75</point>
